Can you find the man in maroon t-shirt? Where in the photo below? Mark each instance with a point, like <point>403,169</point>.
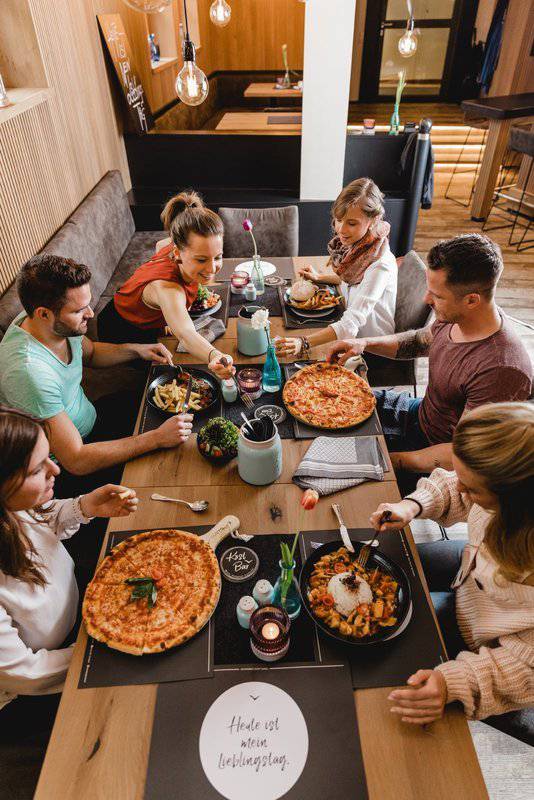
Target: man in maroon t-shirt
<point>475,357</point>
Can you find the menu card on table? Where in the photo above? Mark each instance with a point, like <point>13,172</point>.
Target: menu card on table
<point>257,735</point>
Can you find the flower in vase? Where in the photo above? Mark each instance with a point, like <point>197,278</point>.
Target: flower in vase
<point>247,226</point>
<point>310,498</point>
<point>260,319</point>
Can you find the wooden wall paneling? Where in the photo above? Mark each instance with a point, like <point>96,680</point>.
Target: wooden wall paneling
<point>357,50</point>
<point>54,153</point>
<point>253,39</point>
<point>20,59</point>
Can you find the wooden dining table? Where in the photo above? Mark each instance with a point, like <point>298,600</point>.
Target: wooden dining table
<point>100,742</point>
<point>268,90</point>
<point>287,121</point>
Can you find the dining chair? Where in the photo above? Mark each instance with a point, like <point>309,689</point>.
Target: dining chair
<point>276,231</point>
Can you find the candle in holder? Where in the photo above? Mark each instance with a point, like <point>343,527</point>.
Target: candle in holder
<point>238,281</point>
<point>249,381</point>
<point>269,633</point>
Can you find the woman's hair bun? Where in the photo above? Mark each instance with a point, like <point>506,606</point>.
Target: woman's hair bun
<point>178,204</point>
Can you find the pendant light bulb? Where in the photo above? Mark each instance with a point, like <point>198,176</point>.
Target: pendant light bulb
<point>191,85</point>
<point>408,40</point>
<point>220,13</point>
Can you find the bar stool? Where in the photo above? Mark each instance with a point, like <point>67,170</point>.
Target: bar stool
<point>475,124</point>
<point>519,204</point>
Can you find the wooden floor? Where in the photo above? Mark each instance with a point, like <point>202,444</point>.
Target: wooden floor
<point>515,293</point>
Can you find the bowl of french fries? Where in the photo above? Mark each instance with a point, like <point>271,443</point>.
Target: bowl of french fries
<point>167,392</point>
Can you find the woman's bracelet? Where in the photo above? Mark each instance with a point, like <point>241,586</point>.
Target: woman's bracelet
<point>417,503</point>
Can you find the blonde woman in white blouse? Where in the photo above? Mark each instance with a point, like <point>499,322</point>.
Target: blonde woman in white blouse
<point>482,589</point>
<point>38,591</point>
<point>363,266</point>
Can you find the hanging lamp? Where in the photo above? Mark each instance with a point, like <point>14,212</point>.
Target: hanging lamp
<point>191,85</point>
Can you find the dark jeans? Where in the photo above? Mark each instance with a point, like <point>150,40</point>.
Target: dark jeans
<point>402,431</point>
<point>441,561</point>
<point>115,329</point>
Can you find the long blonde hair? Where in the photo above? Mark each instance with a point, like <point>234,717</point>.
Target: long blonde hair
<point>364,193</point>
<point>496,441</point>
<point>185,213</point>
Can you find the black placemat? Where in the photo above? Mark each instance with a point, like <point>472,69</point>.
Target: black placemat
<point>151,418</point>
<point>270,299</point>
<point>371,426</point>
<point>291,320</point>
<point>223,290</point>
<point>233,410</point>
<point>283,264</point>
<point>314,731</point>
<point>103,666</point>
<point>231,641</point>
<point>418,647</point>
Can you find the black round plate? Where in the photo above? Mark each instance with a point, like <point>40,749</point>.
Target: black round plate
<point>319,313</point>
<point>377,559</point>
<point>167,377</point>
<point>206,312</point>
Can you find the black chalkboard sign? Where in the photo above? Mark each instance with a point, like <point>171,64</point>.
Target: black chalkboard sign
<point>119,49</point>
<point>239,563</point>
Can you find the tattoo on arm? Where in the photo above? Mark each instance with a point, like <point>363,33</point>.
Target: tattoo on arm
<point>412,344</point>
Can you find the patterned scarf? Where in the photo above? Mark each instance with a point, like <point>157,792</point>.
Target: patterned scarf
<point>351,261</point>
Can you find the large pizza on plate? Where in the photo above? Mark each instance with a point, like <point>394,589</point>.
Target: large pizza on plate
<point>328,396</point>
<point>155,590</point>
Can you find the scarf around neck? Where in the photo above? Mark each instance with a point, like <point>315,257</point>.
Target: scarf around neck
<point>350,261</point>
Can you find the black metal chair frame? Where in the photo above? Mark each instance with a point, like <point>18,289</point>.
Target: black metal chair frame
<point>456,170</point>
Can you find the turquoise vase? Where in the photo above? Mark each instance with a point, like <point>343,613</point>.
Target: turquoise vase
<point>272,374</point>
<point>292,603</point>
<point>394,123</point>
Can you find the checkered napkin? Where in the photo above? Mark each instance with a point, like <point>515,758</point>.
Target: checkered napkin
<point>331,465</point>
<point>211,330</point>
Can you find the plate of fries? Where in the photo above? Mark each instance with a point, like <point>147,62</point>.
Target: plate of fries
<point>167,392</point>
<point>321,304</point>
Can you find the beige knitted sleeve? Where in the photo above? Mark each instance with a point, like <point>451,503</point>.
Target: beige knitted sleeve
<point>440,498</point>
<point>494,680</point>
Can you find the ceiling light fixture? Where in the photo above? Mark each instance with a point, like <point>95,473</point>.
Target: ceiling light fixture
<point>148,6</point>
<point>220,13</point>
<point>191,85</point>
<point>408,40</point>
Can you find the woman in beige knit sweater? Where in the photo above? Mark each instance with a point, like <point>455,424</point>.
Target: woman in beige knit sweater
<point>482,589</point>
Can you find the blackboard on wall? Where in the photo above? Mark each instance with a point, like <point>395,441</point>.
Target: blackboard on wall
<point>119,49</point>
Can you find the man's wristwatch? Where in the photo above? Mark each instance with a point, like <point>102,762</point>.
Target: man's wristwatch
<point>305,347</point>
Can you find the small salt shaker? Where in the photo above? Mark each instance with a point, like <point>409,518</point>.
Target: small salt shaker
<point>245,608</point>
<point>250,291</point>
<point>263,592</point>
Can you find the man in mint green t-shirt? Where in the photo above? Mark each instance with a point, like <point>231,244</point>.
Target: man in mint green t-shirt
<point>42,356</point>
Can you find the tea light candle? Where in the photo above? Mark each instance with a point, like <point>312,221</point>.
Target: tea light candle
<point>238,281</point>
<point>269,633</point>
<point>270,630</point>
<point>263,592</point>
<point>249,381</point>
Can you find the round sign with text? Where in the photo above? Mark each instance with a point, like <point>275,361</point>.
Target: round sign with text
<point>253,742</point>
<point>239,563</point>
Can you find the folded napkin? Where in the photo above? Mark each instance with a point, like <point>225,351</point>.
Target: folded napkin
<point>211,329</point>
<point>333,464</point>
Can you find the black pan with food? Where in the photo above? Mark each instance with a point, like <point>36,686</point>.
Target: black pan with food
<point>203,382</point>
<point>376,560</point>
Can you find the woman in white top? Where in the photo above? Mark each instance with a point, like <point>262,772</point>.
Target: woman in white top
<point>362,264</point>
<point>482,589</point>
<point>38,591</point>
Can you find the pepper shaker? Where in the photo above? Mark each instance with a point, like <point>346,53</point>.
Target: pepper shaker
<point>263,592</point>
<point>245,608</point>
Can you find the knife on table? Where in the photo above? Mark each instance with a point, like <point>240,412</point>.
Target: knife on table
<point>336,508</point>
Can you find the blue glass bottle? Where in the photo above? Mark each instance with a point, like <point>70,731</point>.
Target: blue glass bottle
<point>272,374</point>
<point>292,603</point>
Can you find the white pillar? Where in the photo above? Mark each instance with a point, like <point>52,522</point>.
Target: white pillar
<point>328,38</point>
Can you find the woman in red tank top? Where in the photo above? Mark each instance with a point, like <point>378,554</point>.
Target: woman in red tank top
<point>161,291</point>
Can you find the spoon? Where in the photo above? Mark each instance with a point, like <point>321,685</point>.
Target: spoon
<point>247,421</point>
<point>196,505</point>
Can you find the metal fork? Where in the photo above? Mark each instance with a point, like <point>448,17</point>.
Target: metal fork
<point>365,552</point>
